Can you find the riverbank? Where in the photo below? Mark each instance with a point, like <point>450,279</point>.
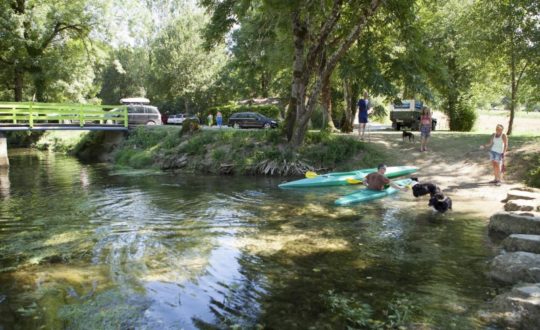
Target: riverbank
<point>454,160</point>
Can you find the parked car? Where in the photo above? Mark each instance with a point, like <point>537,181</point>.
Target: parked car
<point>251,120</point>
<point>142,114</point>
<point>178,119</point>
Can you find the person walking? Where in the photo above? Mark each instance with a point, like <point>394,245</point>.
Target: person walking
<point>363,106</point>
<point>210,120</point>
<point>498,144</point>
<point>219,119</point>
<point>425,127</point>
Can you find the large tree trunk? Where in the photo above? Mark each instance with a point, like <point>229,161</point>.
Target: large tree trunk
<point>328,122</point>
<point>349,97</point>
<point>307,64</point>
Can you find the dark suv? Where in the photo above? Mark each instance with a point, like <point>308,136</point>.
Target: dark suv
<point>251,120</point>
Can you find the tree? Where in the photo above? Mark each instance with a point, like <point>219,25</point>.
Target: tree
<point>33,31</point>
<point>506,35</point>
<point>180,67</point>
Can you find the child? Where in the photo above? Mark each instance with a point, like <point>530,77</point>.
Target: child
<point>425,127</point>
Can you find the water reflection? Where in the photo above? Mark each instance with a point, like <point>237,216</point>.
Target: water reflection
<point>179,252</point>
<point>5,184</point>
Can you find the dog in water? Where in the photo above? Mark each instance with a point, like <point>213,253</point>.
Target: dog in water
<point>440,202</point>
<point>422,189</point>
<point>437,199</point>
<point>408,135</point>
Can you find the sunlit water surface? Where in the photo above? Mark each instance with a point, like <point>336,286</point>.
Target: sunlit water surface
<point>85,247</point>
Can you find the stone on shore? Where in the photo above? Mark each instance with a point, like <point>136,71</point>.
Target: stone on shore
<point>528,194</point>
<point>522,242</point>
<point>522,205</point>
<point>514,223</point>
<point>516,267</point>
<point>517,309</point>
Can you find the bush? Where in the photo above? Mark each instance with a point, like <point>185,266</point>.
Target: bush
<point>189,126</point>
<point>533,176</point>
<point>462,115</point>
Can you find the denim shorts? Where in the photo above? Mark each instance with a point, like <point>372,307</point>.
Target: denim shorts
<point>495,156</point>
<point>425,130</point>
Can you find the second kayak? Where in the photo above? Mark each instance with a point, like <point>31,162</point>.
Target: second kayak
<point>364,195</point>
<point>343,178</point>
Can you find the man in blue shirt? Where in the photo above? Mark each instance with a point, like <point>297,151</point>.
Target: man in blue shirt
<point>363,106</point>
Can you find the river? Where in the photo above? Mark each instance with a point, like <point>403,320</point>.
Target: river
<point>83,246</point>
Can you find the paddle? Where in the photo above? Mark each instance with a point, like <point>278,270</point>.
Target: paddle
<point>353,181</point>
<point>311,175</point>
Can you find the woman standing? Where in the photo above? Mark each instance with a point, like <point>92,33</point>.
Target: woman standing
<point>498,144</point>
<point>425,128</point>
<point>219,119</point>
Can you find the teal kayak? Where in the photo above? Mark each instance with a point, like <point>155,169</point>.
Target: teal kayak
<point>364,195</point>
<point>340,178</point>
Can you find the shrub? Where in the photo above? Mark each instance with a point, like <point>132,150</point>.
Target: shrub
<point>533,176</point>
<point>462,115</point>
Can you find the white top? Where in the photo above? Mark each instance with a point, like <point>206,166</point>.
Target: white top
<point>498,144</point>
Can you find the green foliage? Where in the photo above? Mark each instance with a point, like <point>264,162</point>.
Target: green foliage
<point>189,126</point>
<point>379,112</point>
<point>533,175</point>
<point>462,115</point>
<point>181,69</point>
<point>44,50</point>
<point>108,310</point>
<point>198,143</point>
<point>326,150</point>
<point>359,315</point>
<point>270,111</point>
<point>23,139</point>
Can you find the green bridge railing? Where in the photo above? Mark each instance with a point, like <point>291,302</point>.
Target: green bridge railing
<point>31,114</point>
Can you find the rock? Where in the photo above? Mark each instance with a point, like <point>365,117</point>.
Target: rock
<point>518,309</point>
<point>514,223</point>
<point>522,194</point>
<point>520,242</point>
<point>522,205</point>
<point>515,267</point>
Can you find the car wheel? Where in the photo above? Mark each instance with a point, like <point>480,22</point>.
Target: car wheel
<point>236,125</point>
<point>150,123</point>
<point>266,125</point>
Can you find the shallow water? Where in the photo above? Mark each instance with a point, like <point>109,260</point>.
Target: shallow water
<point>84,247</point>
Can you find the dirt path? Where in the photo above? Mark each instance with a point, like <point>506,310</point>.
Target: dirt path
<point>455,162</point>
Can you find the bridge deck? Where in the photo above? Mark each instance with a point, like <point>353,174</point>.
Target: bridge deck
<point>63,127</point>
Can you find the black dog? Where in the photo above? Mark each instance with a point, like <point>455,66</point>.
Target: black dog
<point>421,189</point>
<point>440,202</point>
<point>437,199</point>
<point>409,135</point>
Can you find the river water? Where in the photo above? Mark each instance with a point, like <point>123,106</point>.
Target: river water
<point>86,247</point>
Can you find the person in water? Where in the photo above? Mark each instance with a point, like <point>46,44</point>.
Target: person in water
<point>377,180</point>
<point>498,144</point>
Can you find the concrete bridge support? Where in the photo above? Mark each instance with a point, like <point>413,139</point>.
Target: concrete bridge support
<point>4,161</point>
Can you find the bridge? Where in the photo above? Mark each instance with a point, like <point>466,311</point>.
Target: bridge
<point>31,116</point>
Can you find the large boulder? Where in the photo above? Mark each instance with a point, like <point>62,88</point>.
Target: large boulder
<point>514,223</point>
<point>516,267</point>
<point>517,309</point>
<point>522,205</point>
<point>522,242</point>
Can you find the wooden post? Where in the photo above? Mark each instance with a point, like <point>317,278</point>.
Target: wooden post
<point>4,161</point>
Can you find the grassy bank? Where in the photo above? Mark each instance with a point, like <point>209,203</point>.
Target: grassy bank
<point>241,152</point>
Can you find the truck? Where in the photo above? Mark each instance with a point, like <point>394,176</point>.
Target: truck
<point>406,114</point>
